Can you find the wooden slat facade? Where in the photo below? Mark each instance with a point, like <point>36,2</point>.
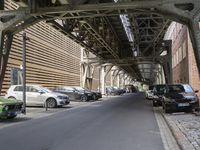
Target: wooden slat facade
<point>52,58</point>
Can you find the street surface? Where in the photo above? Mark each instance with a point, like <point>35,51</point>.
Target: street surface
<point>119,123</point>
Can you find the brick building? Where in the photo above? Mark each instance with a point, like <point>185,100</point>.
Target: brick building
<point>183,61</point>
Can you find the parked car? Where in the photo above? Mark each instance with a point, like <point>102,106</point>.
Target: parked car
<point>37,95</point>
<point>98,94</point>
<point>149,93</point>
<point>130,88</point>
<point>180,97</point>
<point>9,108</point>
<point>158,92</point>
<point>73,93</point>
<point>112,91</point>
<point>88,95</point>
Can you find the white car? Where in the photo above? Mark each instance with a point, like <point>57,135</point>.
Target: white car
<point>149,94</point>
<point>37,95</point>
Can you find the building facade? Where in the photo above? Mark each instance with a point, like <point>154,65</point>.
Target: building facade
<point>183,61</point>
<point>52,58</point>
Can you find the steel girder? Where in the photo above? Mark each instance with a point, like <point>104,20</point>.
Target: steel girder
<point>183,11</point>
<point>5,46</point>
<point>95,35</point>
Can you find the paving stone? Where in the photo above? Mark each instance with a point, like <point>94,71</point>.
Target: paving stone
<point>189,126</point>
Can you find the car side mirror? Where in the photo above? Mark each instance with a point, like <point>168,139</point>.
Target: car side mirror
<point>196,91</point>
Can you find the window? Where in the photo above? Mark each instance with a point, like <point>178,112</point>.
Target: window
<point>180,54</point>
<point>184,49</point>
<point>16,76</point>
<point>31,89</point>
<point>177,57</point>
<point>18,88</point>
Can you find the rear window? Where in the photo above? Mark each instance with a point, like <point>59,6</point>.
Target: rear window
<point>160,88</point>
<point>181,88</point>
<point>151,87</point>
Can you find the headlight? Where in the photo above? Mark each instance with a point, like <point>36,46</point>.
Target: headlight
<point>6,108</point>
<point>194,100</point>
<point>155,96</point>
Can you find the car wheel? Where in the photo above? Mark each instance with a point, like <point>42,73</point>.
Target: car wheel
<point>11,97</point>
<point>51,103</point>
<point>155,104</point>
<point>94,97</point>
<point>168,110</point>
<point>84,98</point>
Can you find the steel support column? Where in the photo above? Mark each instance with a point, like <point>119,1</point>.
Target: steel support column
<point>5,46</point>
<point>167,64</point>
<point>105,69</point>
<point>103,80</point>
<point>1,4</point>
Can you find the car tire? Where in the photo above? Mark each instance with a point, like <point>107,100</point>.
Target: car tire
<point>168,110</point>
<point>94,97</point>
<point>51,103</point>
<point>84,98</point>
<point>155,104</point>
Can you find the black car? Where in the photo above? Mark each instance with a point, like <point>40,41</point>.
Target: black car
<point>112,91</point>
<point>73,93</point>
<point>158,92</point>
<point>130,88</point>
<point>180,97</point>
<point>90,95</point>
<point>98,94</point>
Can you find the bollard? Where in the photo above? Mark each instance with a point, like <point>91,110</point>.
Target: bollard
<point>46,105</point>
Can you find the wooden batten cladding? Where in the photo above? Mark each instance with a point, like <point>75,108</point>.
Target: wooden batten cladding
<point>52,58</point>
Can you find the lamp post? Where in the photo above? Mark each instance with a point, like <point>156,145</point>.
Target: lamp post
<point>24,38</point>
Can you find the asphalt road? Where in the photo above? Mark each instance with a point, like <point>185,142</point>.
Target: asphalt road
<point>120,123</point>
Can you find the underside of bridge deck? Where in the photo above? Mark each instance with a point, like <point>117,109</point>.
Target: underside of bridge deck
<point>126,33</point>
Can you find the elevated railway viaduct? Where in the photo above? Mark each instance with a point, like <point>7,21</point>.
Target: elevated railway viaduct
<point>124,33</point>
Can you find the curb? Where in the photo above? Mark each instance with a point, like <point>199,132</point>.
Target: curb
<point>181,139</point>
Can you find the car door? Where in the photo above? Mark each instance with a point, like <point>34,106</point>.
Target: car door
<point>69,92</point>
<point>18,92</point>
<point>33,96</point>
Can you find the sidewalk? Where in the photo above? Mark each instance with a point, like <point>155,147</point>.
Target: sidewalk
<point>186,129</point>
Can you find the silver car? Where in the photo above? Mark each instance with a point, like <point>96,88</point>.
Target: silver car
<point>37,95</point>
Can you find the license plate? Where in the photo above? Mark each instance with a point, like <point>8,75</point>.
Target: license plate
<point>183,104</point>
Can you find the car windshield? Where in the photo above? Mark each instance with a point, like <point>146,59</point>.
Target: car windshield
<point>188,89</point>
<point>180,88</point>
<point>79,88</point>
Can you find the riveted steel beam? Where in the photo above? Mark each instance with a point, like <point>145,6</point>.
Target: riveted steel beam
<point>5,46</point>
<point>184,11</point>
